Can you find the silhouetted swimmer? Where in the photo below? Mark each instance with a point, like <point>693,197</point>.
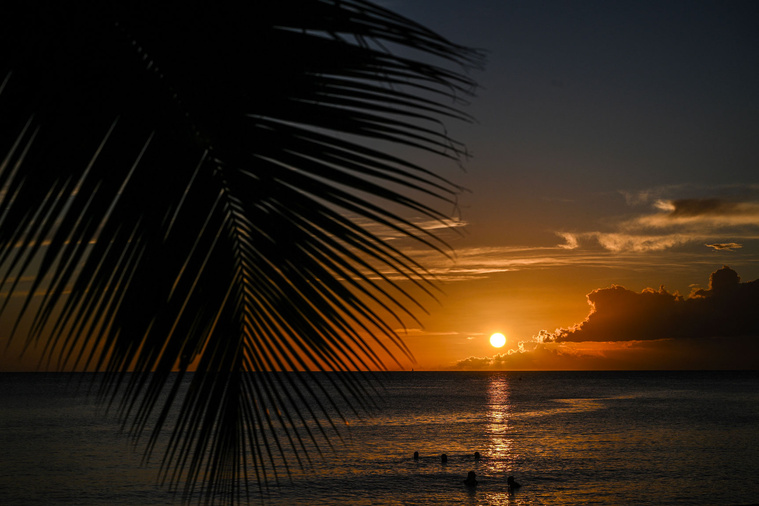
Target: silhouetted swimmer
<point>476,455</point>
<point>416,455</point>
<point>513,485</point>
<point>470,479</point>
<point>444,458</point>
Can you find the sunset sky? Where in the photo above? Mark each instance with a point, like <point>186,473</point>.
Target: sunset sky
<point>615,150</point>
<point>615,144</point>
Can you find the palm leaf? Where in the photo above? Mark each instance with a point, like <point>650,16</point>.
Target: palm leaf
<point>189,186</point>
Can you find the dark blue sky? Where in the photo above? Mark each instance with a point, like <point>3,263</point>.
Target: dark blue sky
<point>590,101</point>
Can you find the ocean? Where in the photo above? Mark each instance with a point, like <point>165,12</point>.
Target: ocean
<point>568,437</point>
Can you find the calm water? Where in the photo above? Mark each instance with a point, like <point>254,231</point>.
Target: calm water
<point>569,438</point>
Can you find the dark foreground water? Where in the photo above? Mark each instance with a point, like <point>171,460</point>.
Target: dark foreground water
<point>568,437</point>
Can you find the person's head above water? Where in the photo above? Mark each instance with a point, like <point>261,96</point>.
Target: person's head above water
<point>476,455</point>
<point>444,458</point>
<point>470,479</point>
<point>416,455</point>
<point>512,484</point>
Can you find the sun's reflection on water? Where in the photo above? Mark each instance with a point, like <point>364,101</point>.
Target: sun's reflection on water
<point>500,445</point>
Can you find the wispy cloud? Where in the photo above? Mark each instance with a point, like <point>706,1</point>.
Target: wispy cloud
<point>692,220</point>
<point>615,251</point>
<point>722,219</point>
<point>618,241</point>
<point>648,196</point>
<point>570,241</point>
<point>416,224</point>
<point>728,246</point>
<point>542,356</point>
<point>417,332</point>
<point>694,214</point>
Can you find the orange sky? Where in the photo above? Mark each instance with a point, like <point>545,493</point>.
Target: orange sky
<point>524,302</point>
<point>615,144</point>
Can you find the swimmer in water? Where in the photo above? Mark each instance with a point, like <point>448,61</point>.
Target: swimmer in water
<point>470,479</point>
<point>513,485</point>
<point>444,458</point>
<point>416,455</point>
<point>476,455</point>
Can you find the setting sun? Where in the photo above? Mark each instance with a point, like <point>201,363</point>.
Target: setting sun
<point>497,340</point>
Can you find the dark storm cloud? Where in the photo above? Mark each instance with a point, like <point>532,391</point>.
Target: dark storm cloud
<point>727,308</point>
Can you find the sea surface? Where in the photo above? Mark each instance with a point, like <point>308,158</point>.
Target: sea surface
<point>568,437</point>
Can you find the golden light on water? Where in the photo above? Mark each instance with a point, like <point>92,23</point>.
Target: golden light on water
<point>500,444</point>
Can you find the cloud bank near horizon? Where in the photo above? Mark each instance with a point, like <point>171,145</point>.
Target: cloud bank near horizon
<point>717,327</point>
<point>727,308</point>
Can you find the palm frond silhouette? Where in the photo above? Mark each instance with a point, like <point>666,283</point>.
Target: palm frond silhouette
<point>188,185</point>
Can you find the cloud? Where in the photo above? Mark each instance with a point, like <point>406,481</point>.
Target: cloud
<point>639,243</point>
<point>417,332</point>
<point>699,207</point>
<point>689,191</point>
<point>711,328</point>
<point>725,246</point>
<point>485,262</point>
<point>415,225</point>
<point>711,212</point>
<point>682,218</point>
<point>727,308</point>
<point>676,216</point>
<point>553,356</point>
<point>715,353</point>
<point>570,241</point>
<point>538,357</point>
